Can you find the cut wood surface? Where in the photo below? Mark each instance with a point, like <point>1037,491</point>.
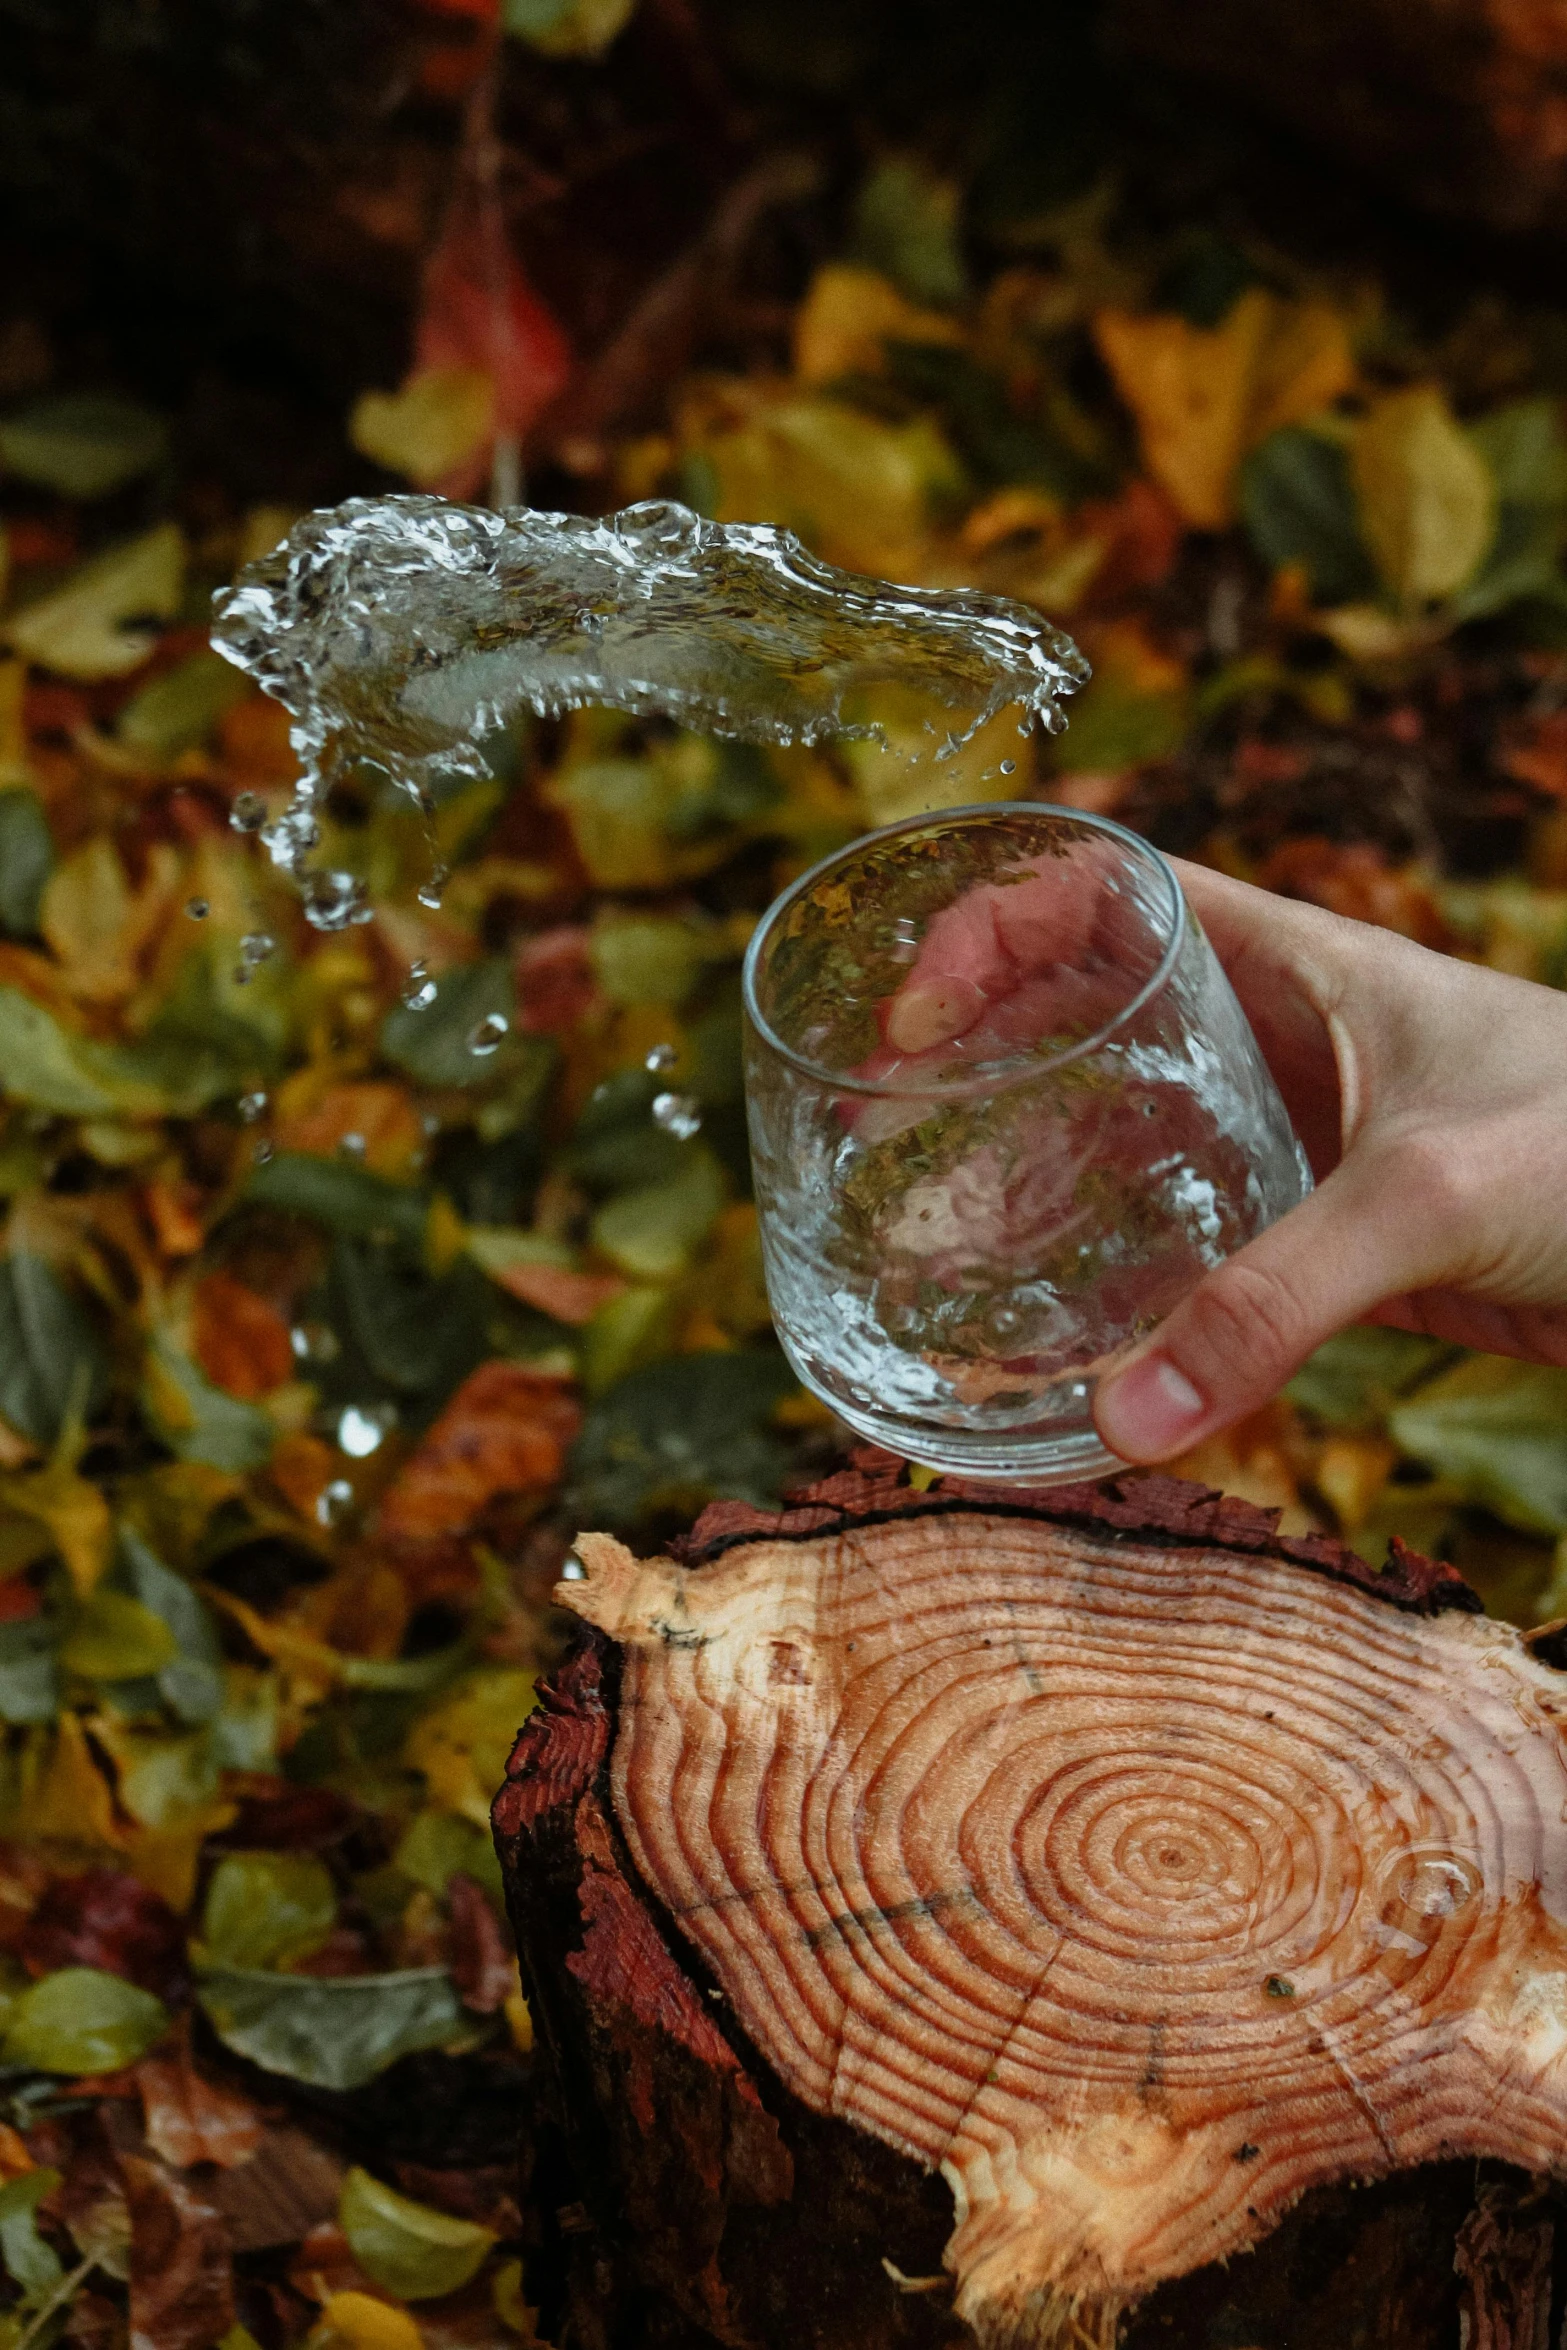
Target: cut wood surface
<point>1135,1866</point>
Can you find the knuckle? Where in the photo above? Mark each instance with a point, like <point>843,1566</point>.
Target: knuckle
<point>1245,1320</point>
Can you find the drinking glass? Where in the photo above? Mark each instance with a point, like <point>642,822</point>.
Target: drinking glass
<point>1005,1111</point>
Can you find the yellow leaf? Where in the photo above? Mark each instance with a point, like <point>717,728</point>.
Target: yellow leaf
<point>427,429</point>
<point>70,1802</point>
<point>1427,497</point>
<point>461,1745</point>
<point>848,317</point>
<point>93,626</point>
<point>75,1513</point>
<point>569,28</point>
<point>112,1637</point>
<point>358,2321</point>
<point>1203,397</point>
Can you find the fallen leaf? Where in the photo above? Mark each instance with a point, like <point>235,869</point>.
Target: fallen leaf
<point>506,1430</point>
<point>1427,499</point>
<point>849,315</point>
<point>105,1919</point>
<point>97,624</point>
<point>83,444</point>
<point>556,979</point>
<point>483,1968</point>
<point>541,1273</point>
<point>318,1119</point>
<point>1496,1431</point>
<point>332,2032</point>
<point>190,2118</point>
<point>358,2321</point>
<point>266,1909</point>
<point>409,2248</point>
<point>429,429</point>
<point>462,1743</point>
<point>1203,397</point>
<point>279,2193</point>
<point>181,2276</point>
<point>81,2020</point>
<point>567,28</point>
<point>240,1340</point>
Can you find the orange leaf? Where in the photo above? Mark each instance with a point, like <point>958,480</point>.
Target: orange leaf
<point>301,1467</point>
<point>318,1120</point>
<point>556,1290</point>
<point>506,1430</point>
<point>240,1340</point>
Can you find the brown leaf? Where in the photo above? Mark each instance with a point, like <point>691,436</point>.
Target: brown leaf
<point>240,1340</point>
<point>192,2119</point>
<point>506,1430</point>
<point>289,2186</point>
<point>482,1964</point>
<point>94,2322</point>
<point>182,2279</point>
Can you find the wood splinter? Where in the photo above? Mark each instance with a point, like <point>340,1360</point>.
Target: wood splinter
<point>1134,1866</point>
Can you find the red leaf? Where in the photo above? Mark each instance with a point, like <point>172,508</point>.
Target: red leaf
<point>191,2119</point>
<point>106,1918</point>
<point>555,980</point>
<point>480,310</point>
<point>482,1965</point>
<point>241,1340</point>
<point>181,2276</point>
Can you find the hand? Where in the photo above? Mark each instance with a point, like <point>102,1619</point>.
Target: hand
<point>1432,1100</point>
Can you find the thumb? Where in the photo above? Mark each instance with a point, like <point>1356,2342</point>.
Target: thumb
<point>1249,1325</point>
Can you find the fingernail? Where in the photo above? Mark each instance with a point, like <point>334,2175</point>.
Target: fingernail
<point>1150,1411</point>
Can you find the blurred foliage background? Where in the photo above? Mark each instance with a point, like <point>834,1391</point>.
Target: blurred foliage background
<point>346,1275</point>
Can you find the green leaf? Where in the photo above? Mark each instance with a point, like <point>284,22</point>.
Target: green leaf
<point>437,1844</point>
<point>266,1909</point>
<point>200,1422</point>
<point>345,1199</point>
<point>45,1066</point>
<point>906,225</point>
<point>29,1682</point>
<point>1298,503</point>
<point>26,860</point>
<point>436,1045</point>
<point>29,2261</point>
<point>567,28</point>
<point>193,1683</point>
<point>334,2032</point>
<point>405,1329</point>
<point>1354,1380</point>
<point>83,444</point>
<point>50,1360</point>
<point>678,1433</point>
<point>615,1144</point>
<point>112,1637</point>
<point>178,710</point>
<point>650,959</point>
<point>652,1233</point>
<point>81,2020</point>
<point>1497,1432</point>
<point>408,2248</point>
<point>1426,496</point>
<point>102,622</point>
<point>1522,446</point>
<point>632,1329</point>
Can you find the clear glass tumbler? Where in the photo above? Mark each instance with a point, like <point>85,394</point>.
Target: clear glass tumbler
<point>1005,1111</point>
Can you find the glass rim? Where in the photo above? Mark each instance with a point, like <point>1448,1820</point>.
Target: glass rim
<point>929,1089</point>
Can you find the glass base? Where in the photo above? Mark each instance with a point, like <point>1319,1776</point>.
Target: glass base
<point>1004,1456</point>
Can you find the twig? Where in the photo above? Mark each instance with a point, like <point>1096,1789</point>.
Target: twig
<point>62,2293</point>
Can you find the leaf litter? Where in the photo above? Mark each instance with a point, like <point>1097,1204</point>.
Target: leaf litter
<point>357,1253</point>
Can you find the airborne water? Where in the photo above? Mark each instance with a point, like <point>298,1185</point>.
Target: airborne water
<point>403,631</point>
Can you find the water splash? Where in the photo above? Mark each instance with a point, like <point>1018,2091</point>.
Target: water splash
<point>679,1114</point>
<point>402,631</point>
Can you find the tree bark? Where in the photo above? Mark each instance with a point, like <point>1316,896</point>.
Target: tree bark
<point>822,1755</point>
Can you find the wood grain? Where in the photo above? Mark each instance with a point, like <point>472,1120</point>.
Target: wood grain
<point>1138,1884</point>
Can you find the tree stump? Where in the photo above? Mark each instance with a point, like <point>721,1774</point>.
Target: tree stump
<point>1140,1873</point>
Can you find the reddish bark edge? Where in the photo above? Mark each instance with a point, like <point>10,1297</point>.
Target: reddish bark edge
<point>873,1493</point>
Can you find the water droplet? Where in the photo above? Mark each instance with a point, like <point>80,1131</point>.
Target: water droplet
<point>679,1114</point>
<point>429,892</point>
<point>252,1106</point>
<point>352,1146</point>
<point>242,975</point>
<point>256,946</point>
<point>292,837</point>
<point>362,1429</point>
<point>334,901</point>
<point>574,1571</point>
<point>431,1123</point>
<point>661,523</point>
<point>1009,767</point>
<point>419,990</point>
<point>262,1152</point>
<point>334,1501</point>
<point>314,1342</point>
<point>486,1037</point>
<point>198,908</point>
<point>249,811</point>
<point>663,1056</point>
<point>1004,1321</point>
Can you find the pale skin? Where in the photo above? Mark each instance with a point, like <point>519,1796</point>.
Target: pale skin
<point>1431,1097</point>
